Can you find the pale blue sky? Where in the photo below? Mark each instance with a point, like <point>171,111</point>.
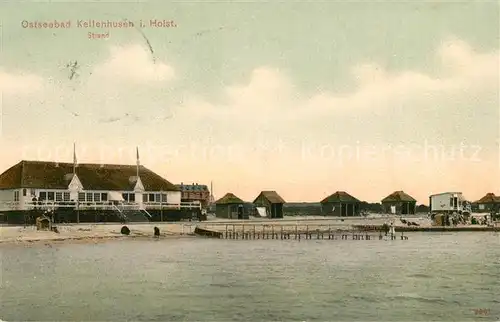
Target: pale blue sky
<point>270,88</point>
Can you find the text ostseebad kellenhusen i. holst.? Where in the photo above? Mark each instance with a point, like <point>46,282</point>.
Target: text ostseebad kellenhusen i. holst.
<point>101,28</point>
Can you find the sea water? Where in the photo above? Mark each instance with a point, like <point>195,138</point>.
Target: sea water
<point>429,277</point>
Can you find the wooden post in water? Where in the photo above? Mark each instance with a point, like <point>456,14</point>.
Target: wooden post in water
<point>253,231</point>
<point>296,231</point>
<point>307,231</point>
<point>281,231</point>
<point>226,231</point>
<point>243,231</point>
<point>272,231</point>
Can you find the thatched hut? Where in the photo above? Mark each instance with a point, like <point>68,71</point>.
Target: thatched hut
<point>399,202</point>
<point>489,203</point>
<point>340,204</point>
<point>230,207</point>
<point>273,203</point>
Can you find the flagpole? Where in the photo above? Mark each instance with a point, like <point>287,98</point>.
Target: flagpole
<point>74,174</point>
<point>138,163</point>
<point>74,158</point>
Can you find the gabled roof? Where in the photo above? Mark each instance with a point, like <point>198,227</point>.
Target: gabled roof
<point>229,198</point>
<point>489,198</point>
<point>340,196</point>
<point>398,196</point>
<point>51,175</point>
<point>271,196</point>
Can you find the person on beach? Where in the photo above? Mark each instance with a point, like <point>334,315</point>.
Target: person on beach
<point>385,227</point>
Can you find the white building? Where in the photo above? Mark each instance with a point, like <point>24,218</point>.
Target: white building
<point>95,188</point>
<point>448,202</point>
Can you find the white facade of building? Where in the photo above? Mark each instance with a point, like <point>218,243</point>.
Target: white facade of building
<point>447,202</point>
<point>26,191</point>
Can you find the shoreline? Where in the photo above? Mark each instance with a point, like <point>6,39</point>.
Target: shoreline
<point>91,233</point>
<point>430,229</point>
<point>101,232</point>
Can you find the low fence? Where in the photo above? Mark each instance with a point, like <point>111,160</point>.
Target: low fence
<point>109,205</point>
<point>297,232</point>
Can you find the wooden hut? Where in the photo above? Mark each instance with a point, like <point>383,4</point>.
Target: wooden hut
<point>340,204</point>
<point>399,203</point>
<point>489,203</point>
<point>272,202</point>
<point>230,207</point>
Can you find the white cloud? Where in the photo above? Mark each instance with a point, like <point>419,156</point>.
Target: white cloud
<point>19,83</point>
<point>124,84</point>
<point>463,72</point>
<point>265,85</point>
<point>133,63</point>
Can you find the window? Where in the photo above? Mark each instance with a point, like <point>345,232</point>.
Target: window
<point>50,195</point>
<point>129,197</point>
<point>97,197</point>
<point>451,202</point>
<point>24,192</point>
<point>151,197</point>
<point>66,196</point>
<point>163,197</point>
<point>157,197</point>
<point>43,195</point>
<point>89,196</point>
<point>81,196</point>
<point>59,196</point>
<point>16,195</point>
<point>144,198</point>
<point>104,196</point>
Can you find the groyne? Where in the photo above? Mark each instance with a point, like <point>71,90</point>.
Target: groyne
<point>471,228</point>
<point>286,231</point>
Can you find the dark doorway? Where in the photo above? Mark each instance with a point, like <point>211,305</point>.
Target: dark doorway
<point>240,212</point>
<point>350,210</point>
<point>405,208</point>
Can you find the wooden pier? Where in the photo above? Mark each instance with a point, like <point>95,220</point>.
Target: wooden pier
<point>289,232</point>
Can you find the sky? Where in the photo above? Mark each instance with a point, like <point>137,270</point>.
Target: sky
<point>302,98</point>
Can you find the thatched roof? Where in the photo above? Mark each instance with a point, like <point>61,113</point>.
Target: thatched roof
<point>229,198</point>
<point>51,175</point>
<point>271,196</point>
<point>398,196</point>
<point>340,196</point>
<point>489,198</point>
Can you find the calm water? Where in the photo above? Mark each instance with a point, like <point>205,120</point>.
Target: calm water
<point>431,277</point>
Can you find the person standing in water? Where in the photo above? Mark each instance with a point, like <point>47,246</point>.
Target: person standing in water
<point>392,231</point>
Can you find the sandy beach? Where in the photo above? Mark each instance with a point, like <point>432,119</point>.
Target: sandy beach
<point>102,232</point>
<point>92,232</point>
<point>96,232</point>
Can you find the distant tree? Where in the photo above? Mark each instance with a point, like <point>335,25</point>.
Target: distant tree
<point>422,208</point>
<point>371,207</point>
